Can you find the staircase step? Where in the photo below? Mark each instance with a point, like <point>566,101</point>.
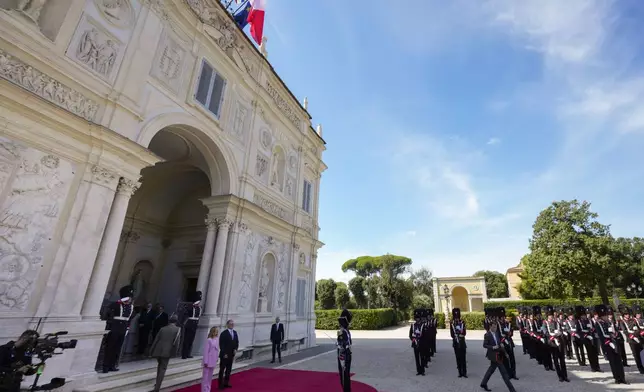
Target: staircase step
<point>143,377</point>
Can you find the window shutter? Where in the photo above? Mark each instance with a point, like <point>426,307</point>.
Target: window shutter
<point>217,95</point>
<point>203,86</point>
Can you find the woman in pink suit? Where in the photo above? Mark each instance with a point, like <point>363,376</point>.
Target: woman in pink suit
<point>210,355</point>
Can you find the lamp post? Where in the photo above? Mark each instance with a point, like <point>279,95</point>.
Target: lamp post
<point>446,295</point>
<point>636,290</point>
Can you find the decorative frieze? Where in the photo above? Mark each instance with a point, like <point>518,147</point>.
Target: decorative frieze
<point>46,87</point>
<point>284,107</point>
<point>119,13</point>
<point>103,176</point>
<point>272,207</point>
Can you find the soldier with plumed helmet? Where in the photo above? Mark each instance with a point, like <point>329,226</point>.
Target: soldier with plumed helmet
<point>344,344</point>
<point>425,345</point>
<point>458,331</point>
<point>630,331</point>
<point>191,317</point>
<point>556,345</point>
<point>118,316</point>
<point>506,333</point>
<point>416,336</point>
<point>608,340</point>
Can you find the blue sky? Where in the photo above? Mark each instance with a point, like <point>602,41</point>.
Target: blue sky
<point>450,125</point>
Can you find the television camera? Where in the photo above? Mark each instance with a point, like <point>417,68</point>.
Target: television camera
<point>44,348</point>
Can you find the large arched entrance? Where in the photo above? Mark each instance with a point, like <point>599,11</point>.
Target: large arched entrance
<point>460,299</point>
<point>164,233</point>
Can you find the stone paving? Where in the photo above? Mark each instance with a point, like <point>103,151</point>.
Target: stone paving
<point>384,360</point>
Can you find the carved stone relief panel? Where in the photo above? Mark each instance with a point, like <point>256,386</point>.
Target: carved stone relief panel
<point>35,186</point>
<point>46,87</point>
<point>272,207</point>
<point>96,49</point>
<point>261,167</point>
<point>248,273</point>
<point>289,187</point>
<point>284,107</point>
<point>292,162</point>
<point>119,13</point>
<point>240,121</point>
<point>275,272</point>
<point>265,139</point>
<point>169,62</point>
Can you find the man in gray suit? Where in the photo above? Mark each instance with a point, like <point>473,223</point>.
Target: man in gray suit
<point>495,353</point>
<point>164,347</point>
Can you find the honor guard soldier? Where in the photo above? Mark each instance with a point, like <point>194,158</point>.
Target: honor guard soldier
<point>118,317</point>
<point>458,331</point>
<point>556,345</point>
<point>191,316</point>
<point>586,332</point>
<point>543,348</point>
<point>621,346</point>
<point>425,346</point>
<point>415,335</point>
<point>344,350</point>
<point>521,327</point>
<point>631,333</point>
<point>488,319</point>
<point>532,331</point>
<point>567,326</point>
<point>609,340</point>
<point>433,331</point>
<point>505,330</point>
<point>576,334</point>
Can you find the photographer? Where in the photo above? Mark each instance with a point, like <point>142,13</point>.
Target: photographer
<point>15,358</point>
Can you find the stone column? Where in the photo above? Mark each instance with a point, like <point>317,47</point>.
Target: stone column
<point>469,299</point>
<point>206,259</point>
<point>214,283</point>
<point>107,251</point>
<point>295,266</point>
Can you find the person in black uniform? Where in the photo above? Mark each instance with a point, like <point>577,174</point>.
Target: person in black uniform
<point>506,332</point>
<point>191,317</point>
<point>609,341</point>
<point>618,336</point>
<point>576,335</point>
<point>586,333</point>
<point>432,326</point>
<point>415,335</point>
<point>458,331</point>
<point>118,317</point>
<point>630,331</point>
<point>145,327</point>
<point>521,327</point>
<point>425,346</point>
<point>344,343</point>
<point>556,344</point>
<point>564,315</point>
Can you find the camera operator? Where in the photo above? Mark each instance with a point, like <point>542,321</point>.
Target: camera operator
<point>15,361</point>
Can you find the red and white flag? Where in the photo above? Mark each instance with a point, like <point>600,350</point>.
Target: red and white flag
<point>256,19</point>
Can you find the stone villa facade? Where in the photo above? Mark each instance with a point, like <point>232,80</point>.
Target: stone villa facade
<point>149,142</point>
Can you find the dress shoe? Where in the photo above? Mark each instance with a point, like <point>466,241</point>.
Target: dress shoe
<point>465,375</point>
<point>566,380</point>
<point>273,361</point>
<point>485,388</point>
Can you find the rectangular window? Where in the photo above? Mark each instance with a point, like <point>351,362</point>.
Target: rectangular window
<point>306,196</point>
<point>210,89</point>
<point>300,298</point>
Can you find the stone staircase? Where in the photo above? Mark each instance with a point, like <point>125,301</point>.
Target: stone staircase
<point>140,376</point>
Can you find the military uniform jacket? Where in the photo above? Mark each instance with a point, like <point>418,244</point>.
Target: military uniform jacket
<point>521,325</point>
<point>344,341</point>
<point>425,334</point>
<point>631,331</point>
<point>553,333</point>
<point>458,331</point>
<point>416,333</point>
<point>604,331</point>
<point>192,314</point>
<point>432,324</point>
<point>118,316</point>
<point>585,329</point>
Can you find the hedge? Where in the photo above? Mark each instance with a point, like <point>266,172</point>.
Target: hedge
<point>363,319</point>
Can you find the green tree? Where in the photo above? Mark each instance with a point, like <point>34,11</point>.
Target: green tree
<point>422,280</point>
<point>342,296</point>
<point>570,252</point>
<point>496,284</point>
<point>372,287</point>
<point>363,266</point>
<point>398,293</point>
<point>422,301</point>
<point>326,293</point>
<point>357,288</point>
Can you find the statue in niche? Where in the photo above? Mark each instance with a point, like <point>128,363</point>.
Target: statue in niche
<point>139,285</point>
<point>289,187</point>
<point>31,8</point>
<point>263,290</point>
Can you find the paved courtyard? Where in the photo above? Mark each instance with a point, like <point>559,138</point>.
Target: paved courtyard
<point>384,360</point>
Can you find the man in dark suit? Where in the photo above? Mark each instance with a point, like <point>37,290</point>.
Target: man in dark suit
<point>495,353</point>
<point>277,337</point>
<point>145,327</point>
<point>228,345</point>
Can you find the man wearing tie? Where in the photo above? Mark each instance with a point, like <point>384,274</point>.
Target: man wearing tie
<point>228,345</point>
<point>277,337</point>
<point>495,353</point>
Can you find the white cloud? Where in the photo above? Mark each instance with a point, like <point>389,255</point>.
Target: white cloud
<point>493,141</point>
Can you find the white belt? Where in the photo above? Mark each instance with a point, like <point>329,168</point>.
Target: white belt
<point>193,318</point>
<point>121,318</point>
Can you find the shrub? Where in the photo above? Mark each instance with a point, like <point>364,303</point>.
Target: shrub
<point>363,319</point>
